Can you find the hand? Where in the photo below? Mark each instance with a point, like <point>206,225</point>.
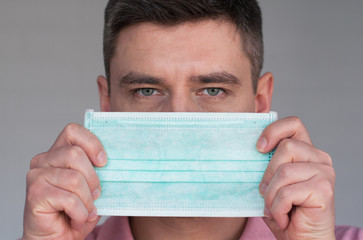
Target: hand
<point>61,187</point>
<point>298,184</point>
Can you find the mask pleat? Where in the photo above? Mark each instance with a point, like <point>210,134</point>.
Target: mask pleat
<point>180,164</point>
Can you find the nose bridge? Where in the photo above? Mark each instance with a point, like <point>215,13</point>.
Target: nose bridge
<point>181,100</point>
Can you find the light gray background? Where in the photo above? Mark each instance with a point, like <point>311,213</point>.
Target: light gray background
<point>51,54</point>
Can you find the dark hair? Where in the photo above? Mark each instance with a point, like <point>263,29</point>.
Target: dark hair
<point>245,14</point>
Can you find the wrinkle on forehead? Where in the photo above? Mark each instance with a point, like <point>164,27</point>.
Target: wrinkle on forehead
<point>189,49</point>
<point>178,32</point>
<point>151,37</point>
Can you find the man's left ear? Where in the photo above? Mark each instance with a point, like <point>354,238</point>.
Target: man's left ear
<point>265,88</point>
<point>103,94</point>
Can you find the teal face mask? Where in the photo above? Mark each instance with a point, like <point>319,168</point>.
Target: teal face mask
<point>180,164</point>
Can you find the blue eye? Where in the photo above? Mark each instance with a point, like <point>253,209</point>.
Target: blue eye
<point>146,91</point>
<point>213,91</point>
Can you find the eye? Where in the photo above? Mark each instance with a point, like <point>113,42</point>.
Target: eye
<point>213,91</point>
<point>147,91</point>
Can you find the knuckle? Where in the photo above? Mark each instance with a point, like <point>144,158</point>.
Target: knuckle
<point>32,175</point>
<point>326,187</point>
<point>72,201</point>
<point>34,186</point>
<point>327,158</point>
<point>33,191</point>
<point>296,120</point>
<point>284,194</point>
<point>70,129</point>
<point>74,152</point>
<point>329,171</point>
<point>287,144</point>
<point>75,179</point>
<point>285,171</point>
<point>35,160</point>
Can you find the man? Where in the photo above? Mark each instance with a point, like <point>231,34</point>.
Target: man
<point>183,56</point>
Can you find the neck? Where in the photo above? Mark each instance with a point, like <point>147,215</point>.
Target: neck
<point>186,228</point>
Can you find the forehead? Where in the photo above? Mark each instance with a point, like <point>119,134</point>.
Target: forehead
<point>203,46</point>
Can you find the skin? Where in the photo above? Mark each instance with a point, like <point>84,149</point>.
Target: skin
<point>170,69</point>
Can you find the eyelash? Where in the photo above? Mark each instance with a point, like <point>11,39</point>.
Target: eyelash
<point>222,91</point>
<point>138,91</point>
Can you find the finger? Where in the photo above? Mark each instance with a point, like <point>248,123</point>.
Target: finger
<point>290,173</point>
<point>45,199</point>
<point>290,127</point>
<point>70,157</point>
<point>62,200</point>
<point>48,203</point>
<point>293,151</point>
<point>312,198</point>
<point>72,181</point>
<point>74,134</point>
<point>284,202</point>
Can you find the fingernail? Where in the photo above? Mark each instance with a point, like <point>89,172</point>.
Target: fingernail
<point>93,215</point>
<point>96,194</point>
<point>263,189</point>
<point>267,213</point>
<point>261,144</point>
<point>101,158</point>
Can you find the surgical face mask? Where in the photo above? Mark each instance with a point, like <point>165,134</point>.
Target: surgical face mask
<point>180,164</point>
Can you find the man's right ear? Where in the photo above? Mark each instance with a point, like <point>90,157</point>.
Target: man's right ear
<point>103,94</point>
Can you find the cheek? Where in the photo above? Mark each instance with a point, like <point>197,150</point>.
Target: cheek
<point>117,102</point>
<point>232,104</point>
<point>247,103</point>
<point>229,107</point>
<point>115,105</point>
<point>123,103</point>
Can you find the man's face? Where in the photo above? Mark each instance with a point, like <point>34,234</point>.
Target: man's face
<point>192,67</point>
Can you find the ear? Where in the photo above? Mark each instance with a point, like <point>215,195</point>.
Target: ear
<point>103,93</point>
<point>265,87</point>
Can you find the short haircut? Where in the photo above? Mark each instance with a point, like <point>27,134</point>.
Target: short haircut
<point>245,14</point>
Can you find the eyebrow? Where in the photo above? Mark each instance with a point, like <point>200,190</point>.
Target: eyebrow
<point>138,78</point>
<point>216,77</point>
